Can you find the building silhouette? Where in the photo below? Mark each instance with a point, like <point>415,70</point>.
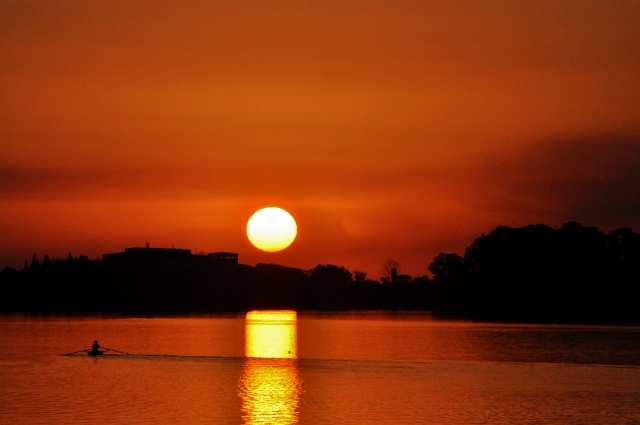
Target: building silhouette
<point>167,257</point>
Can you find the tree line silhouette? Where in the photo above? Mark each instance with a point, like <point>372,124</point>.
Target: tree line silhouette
<point>533,273</point>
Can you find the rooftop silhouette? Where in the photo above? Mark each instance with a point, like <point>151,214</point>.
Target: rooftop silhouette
<point>166,257</point>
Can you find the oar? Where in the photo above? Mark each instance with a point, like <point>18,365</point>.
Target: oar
<point>79,351</point>
<point>121,352</point>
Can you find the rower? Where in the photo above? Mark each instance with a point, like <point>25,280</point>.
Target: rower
<point>94,348</point>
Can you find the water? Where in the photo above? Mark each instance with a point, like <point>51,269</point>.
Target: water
<point>346,368</point>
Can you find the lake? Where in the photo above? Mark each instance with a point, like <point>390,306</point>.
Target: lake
<point>286,368</point>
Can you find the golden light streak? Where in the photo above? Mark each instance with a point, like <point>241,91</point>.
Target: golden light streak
<point>271,334</point>
<point>270,386</point>
<point>270,392</point>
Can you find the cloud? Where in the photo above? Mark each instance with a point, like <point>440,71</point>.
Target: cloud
<point>592,180</point>
<point>595,180</point>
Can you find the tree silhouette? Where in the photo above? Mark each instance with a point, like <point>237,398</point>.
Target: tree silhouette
<point>359,276</point>
<point>390,270</point>
<point>35,263</point>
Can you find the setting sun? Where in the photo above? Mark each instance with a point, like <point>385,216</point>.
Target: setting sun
<point>271,229</point>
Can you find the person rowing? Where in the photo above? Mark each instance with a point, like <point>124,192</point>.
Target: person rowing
<point>94,349</point>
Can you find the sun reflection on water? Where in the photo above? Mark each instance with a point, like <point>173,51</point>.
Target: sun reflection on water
<point>270,384</point>
<point>271,335</point>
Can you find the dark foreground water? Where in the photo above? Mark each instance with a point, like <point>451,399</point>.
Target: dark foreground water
<point>352,368</point>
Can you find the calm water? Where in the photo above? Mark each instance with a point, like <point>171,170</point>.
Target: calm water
<point>353,368</point>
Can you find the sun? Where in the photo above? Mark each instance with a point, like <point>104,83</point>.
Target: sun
<point>271,229</point>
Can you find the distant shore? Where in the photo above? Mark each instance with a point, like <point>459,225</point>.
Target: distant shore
<point>533,274</point>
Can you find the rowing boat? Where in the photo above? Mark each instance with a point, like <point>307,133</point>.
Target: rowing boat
<point>104,352</point>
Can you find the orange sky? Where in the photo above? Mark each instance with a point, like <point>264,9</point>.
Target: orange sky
<point>390,130</point>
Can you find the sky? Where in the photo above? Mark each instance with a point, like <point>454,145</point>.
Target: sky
<point>389,130</point>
